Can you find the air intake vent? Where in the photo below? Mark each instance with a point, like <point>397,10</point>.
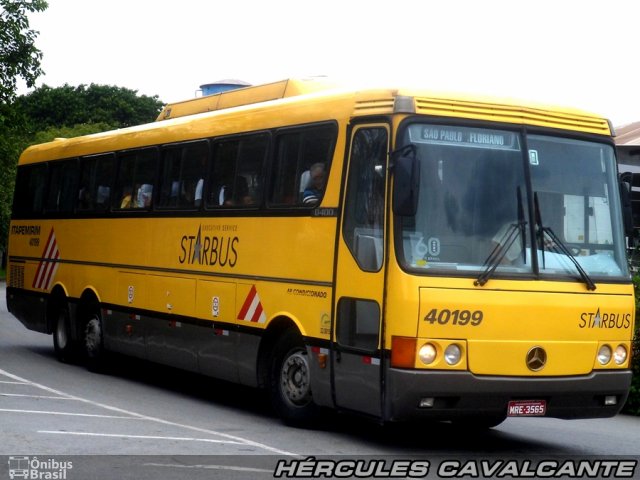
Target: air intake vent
<point>16,276</point>
<point>377,106</point>
<point>511,114</point>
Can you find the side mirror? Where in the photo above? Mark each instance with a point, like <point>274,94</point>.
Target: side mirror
<point>627,209</point>
<point>406,181</point>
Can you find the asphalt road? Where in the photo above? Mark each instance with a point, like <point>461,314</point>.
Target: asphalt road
<point>147,421</point>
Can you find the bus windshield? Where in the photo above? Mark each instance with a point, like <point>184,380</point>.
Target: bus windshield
<point>478,190</point>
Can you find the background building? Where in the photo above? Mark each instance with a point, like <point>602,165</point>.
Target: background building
<point>628,146</point>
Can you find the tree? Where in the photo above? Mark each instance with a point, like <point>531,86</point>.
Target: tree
<point>70,106</point>
<point>12,141</point>
<point>19,56</point>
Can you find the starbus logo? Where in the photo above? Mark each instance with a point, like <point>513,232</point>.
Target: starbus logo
<point>203,249</point>
<point>607,320</point>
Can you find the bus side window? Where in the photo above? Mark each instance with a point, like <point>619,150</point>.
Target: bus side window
<point>182,178</point>
<point>223,171</point>
<point>236,175</point>
<point>30,188</point>
<point>95,182</point>
<point>248,181</point>
<point>170,185</point>
<point>63,183</point>
<point>296,151</point>
<point>194,168</point>
<point>135,180</point>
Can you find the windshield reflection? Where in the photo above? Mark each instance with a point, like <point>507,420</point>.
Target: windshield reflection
<point>473,190</point>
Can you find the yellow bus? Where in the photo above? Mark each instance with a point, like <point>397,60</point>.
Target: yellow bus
<point>398,253</point>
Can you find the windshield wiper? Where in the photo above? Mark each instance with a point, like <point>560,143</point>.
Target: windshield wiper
<point>557,244</point>
<point>504,244</point>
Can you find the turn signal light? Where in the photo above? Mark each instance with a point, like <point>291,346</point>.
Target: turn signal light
<point>403,352</point>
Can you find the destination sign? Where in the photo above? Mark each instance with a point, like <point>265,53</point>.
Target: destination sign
<point>464,136</point>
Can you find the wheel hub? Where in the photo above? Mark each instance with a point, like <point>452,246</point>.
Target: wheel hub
<point>295,379</point>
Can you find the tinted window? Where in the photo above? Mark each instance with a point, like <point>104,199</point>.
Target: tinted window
<point>134,184</point>
<point>236,179</point>
<point>302,162</point>
<point>63,185</point>
<point>183,172</point>
<point>95,182</point>
<point>29,193</point>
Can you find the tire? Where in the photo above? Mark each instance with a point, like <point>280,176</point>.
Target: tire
<point>93,343</point>
<point>63,344</point>
<point>290,381</point>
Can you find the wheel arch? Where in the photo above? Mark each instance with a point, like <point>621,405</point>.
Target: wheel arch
<point>272,333</point>
<point>89,302</point>
<point>57,296</point>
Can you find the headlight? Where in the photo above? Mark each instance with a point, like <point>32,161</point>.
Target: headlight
<point>427,353</point>
<point>452,354</point>
<point>604,355</point>
<point>620,355</point>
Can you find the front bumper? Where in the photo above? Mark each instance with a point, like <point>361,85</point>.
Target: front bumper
<point>461,394</point>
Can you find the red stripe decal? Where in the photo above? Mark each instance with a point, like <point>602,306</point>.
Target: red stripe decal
<point>247,303</point>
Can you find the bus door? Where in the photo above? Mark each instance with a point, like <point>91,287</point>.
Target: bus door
<point>356,345</point>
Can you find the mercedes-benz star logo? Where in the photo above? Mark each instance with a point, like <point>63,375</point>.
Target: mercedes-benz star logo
<point>536,359</point>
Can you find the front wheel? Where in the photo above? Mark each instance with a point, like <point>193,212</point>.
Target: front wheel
<point>290,381</point>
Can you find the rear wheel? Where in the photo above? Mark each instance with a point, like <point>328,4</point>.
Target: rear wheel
<point>62,342</point>
<point>94,344</point>
<point>290,381</point>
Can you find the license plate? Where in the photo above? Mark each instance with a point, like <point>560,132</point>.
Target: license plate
<point>527,408</point>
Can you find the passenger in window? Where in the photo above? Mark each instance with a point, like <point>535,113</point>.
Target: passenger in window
<point>126,198</point>
<point>144,195</point>
<point>197,197</point>
<point>304,183</point>
<point>229,196</point>
<point>103,196</point>
<point>84,198</point>
<point>197,200</point>
<point>317,180</point>
<point>175,192</point>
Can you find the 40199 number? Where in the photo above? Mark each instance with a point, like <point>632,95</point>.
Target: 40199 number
<point>455,317</point>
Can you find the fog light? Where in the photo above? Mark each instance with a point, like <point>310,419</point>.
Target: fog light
<point>427,353</point>
<point>610,400</point>
<point>452,354</point>
<point>620,355</point>
<point>604,354</point>
<point>427,402</point>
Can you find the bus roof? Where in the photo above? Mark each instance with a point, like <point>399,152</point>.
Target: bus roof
<point>192,119</point>
<point>244,96</point>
